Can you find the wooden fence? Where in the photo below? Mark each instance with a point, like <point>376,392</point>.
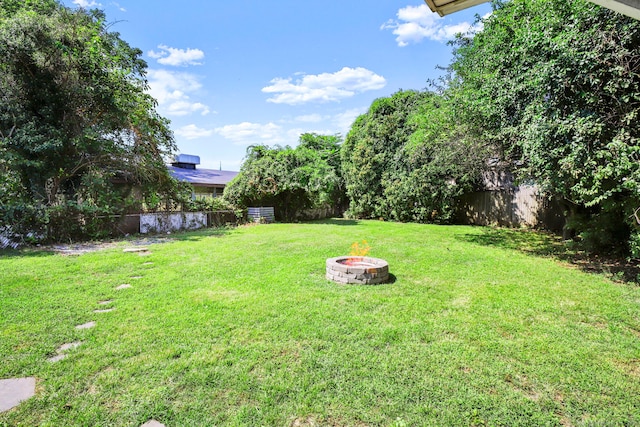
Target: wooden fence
<point>520,206</point>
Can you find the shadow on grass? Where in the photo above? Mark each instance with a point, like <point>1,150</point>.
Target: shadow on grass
<point>539,243</point>
<point>25,253</point>
<point>334,221</point>
<point>190,236</point>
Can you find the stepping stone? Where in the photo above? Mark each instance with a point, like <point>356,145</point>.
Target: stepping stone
<point>57,358</point>
<point>105,302</point>
<point>135,250</point>
<point>68,346</point>
<point>152,423</point>
<point>148,263</point>
<point>87,325</point>
<point>124,286</point>
<point>105,310</point>
<point>136,277</point>
<point>15,390</point>
<point>60,351</point>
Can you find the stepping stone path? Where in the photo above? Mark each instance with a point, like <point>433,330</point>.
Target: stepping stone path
<point>87,325</point>
<point>152,423</point>
<point>61,351</point>
<point>69,346</point>
<point>104,310</point>
<point>56,358</point>
<point>15,390</point>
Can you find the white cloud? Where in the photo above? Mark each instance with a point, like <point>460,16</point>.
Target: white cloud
<point>85,4</point>
<point>416,23</point>
<point>324,87</point>
<point>122,9</point>
<point>247,133</point>
<point>183,108</point>
<point>171,90</point>
<point>171,86</point>
<point>193,132</point>
<point>344,120</point>
<point>177,57</point>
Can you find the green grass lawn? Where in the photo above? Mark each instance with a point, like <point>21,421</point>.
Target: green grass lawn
<point>240,327</point>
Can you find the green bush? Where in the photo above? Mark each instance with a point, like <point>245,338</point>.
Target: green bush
<point>634,245</point>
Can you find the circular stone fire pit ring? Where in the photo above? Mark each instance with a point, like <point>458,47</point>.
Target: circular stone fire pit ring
<point>358,270</point>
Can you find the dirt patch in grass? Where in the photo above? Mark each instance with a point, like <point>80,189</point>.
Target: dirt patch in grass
<point>79,248</point>
<point>305,422</point>
<point>85,247</point>
<point>629,367</point>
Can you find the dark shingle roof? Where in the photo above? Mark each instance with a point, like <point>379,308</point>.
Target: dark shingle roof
<point>202,177</point>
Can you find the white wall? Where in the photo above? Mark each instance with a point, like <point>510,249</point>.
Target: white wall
<point>166,222</point>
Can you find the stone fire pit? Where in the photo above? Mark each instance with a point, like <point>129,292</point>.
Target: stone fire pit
<point>358,270</point>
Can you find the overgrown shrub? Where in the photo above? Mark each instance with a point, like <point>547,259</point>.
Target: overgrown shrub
<point>555,84</point>
<point>290,179</point>
<point>408,158</point>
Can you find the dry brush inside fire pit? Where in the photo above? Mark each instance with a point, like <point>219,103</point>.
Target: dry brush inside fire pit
<point>358,270</point>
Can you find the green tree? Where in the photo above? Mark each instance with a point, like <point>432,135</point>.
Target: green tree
<point>289,179</point>
<point>78,130</point>
<point>408,159</point>
<point>441,161</point>
<point>369,150</point>
<point>328,148</point>
<point>556,84</point>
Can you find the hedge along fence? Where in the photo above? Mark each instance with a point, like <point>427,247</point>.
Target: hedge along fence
<point>320,213</point>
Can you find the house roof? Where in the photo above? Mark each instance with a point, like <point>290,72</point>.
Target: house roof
<point>444,7</point>
<point>202,177</point>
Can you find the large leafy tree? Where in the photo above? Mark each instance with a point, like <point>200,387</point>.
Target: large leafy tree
<point>556,84</point>
<point>441,161</point>
<point>77,127</point>
<point>409,157</point>
<point>327,147</point>
<point>369,150</point>
<point>290,179</point>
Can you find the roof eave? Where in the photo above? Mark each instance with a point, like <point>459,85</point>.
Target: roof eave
<point>444,7</point>
<point>626,7</point>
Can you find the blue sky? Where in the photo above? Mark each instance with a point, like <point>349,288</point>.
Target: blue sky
<point>231,73</point>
